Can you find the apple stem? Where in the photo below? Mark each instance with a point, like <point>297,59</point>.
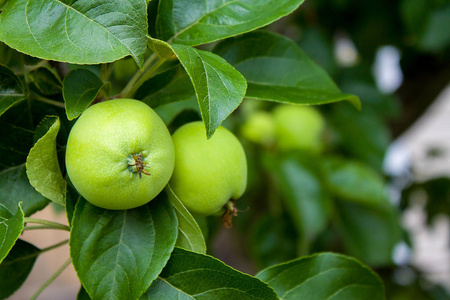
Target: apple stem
<point>138,164</point>
<point>230,212</point>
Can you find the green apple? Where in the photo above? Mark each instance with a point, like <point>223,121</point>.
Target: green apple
<point>208,172</point>
<point>119,154</point>
<point>298,127</point>
<point>259,128</point>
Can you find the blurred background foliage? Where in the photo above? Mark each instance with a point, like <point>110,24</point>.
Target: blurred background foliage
<point>333,193</point>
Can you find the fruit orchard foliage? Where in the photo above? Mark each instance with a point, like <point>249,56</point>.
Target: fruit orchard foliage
<point>57,59</point>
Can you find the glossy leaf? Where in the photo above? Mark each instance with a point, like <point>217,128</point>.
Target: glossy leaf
<point>80,88</point>
<point>191,275</point>
<point>12,89</point>
<point>369,233</point>
<point>162,290</point>
<point>278,70</point>
<point>324,276</point>
<point>190,236</point>
<point>45,81</point>
<point>118,253</point>
<point>84,32</point>
<point>195,22</point>
<point>354,181</point>
<point>16,267</point>
<point>15,188</point>
<point>218,86</point>
<point>42,164</point>
<point>11,226</point>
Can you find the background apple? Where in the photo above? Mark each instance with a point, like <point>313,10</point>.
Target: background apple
<point>119,154</point>
<point>259,127</point>
<point>208,173</point>
<point>298,127</point>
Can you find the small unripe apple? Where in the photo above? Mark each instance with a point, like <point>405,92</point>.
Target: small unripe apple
<point>298,127</point>
<point>259,128</point>
<point>119,154</point>
<point>208,172</point>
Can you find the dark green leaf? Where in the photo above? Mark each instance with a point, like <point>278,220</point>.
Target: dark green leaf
<point>366,137</point>
<point>273,240</point>
<point>162,290</point>
<point>354,181</point>
<point>15,143</point>
<point>86,32</point>
<point>15,268</point>
<point>11,226</point>
<point>302,193</point>
<point>170,86</point>
<point>82,295</point>
<point>369,233</point>
<point>80,88</point>
<point>12,89</point>
<point>204,277</point>
<point>195,22</point>
<point>436,35</point>
<point>324,276</point>
<point>72,197</point>
<point>190,236</point>
<point>218,86</point>
<point>278,70</point>
<point>15,188</point>
<point>45,81</point>
<point>117,254</point>
<point>43,167</point>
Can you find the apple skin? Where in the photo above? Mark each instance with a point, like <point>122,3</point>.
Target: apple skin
<point>208,173</point>
<point>100,148</point>
<point>298,127</point>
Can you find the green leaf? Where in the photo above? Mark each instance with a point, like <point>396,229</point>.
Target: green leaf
<point>15,143</point>
<point>84,32</point>
<point>82,294</point>
<point>15,188</point>
<point>369,233</point>
<point>354,181</point>
<point>191,275</point>
<point>162,290</point>
<point>42,164</point>
<point>80,88</point>
<point>366,137</point>
<point>436,36</point>
<point>272,240</point>
<point>195,22</point>
<point>12,89</point>
<point>117,254</point>
<point>190,236</point>
<point>173,85</point>
<point>278,70</point>
<point>302,193</point>
<point>324,276</point>
<point>45,81</point>
<point>11,227</point>
<point>16,267</point>
<point>218,86</point>
<point>72,197</point>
